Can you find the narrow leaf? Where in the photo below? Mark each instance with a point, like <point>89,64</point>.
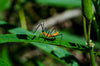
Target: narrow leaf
<point>5,56</point>
<point>61,3</point>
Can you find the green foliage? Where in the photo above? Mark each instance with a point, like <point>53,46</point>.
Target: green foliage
<point>4,4</point>
<point>14,38</point>
<point>96,19</point>
<point>95,27</point>
<point>64,43</point>
<point>22,35</point>
<point>73,39</point>
<point>5,56</point>
<point>69,40</point>
<point>58,52</point>
<point>61,3</point>
<point>50,47</point>
<point>87,12</point>
<point>53,50</point>
<point>28,38</point>
<point>2,23</point>
<point>3,62</point>
<point>96,5</point>
<point>87,9</point>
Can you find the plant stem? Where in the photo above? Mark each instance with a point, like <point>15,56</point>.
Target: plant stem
<point>89,31</point>
<point>84,26</point>
<point>92,57</point>
<point>88,14</point>
<point>22,19</point>
<point>88,41</point>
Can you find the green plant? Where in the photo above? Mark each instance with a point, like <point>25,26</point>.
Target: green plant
<point>55,49</point>
<point>88,14</point>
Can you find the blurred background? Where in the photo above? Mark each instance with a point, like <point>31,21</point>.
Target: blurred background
<point>65,15</point>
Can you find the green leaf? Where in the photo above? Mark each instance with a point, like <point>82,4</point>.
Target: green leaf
<point>61,3</point>
<point>55,51</point>
<point>5,56</point>
<point>3,62</point>
<point>67,41</point>
<point>20,31</point>
<point>2,23</point>
<point>58,52</point>
<point>14,38</point>
<point>3,4</point>
<point>70,41</point>
<point>73,39</point>
<point>29,37</point>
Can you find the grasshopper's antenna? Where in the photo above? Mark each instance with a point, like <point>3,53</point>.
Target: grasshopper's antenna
<point>42,26</point>
<point>38,27</point>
